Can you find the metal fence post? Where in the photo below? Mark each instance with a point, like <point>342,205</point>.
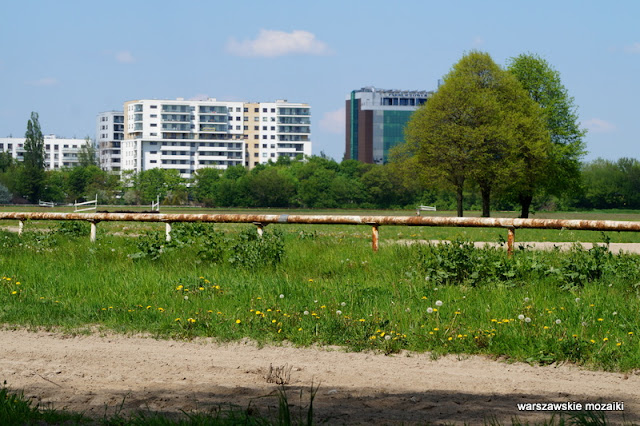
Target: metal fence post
<point>375,235</point>
<point>93,231</point>
<point>167,231</point>
<point>511,238</point>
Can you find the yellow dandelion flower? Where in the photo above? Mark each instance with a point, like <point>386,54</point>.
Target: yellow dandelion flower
<point>201,288</point>
<point>424,297</point>
<point>273,321</point>
<point>606,339</point>
<point>17,282</point>
<point>310,280</point>
<point>436,329</point>
<point>619,344</point>
<point>373,337</point>
<point>545,327</point>
<point>179,287</point>
<point>14,292</point>
<point>459,336</point>
<point>258,312</point>
<point>269,310</point>
<point>209,311</point>
<point>238,321</point>
<point>191,320</point>
<point>300,329</point>
<point>450,338</point>
<point>600,319</point>
<point>149,307</point>
<point>161,309</point>
<point>361,320</point>
<point>177,319</point>
<point>431,332</point>
<point>630,333</point>
<point>592,341</point>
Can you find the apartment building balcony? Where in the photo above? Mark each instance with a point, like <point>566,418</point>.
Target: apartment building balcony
<point>294,129</point>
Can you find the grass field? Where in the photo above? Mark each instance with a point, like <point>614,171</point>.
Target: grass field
<point>323,285</point>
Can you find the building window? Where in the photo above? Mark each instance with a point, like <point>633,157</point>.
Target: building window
<point>256,110</point>
<point>245,118</point>
<point>245,127</point>
<point>264,127</point>
<point>256,136</point>
<point>153,106</point>
<point>273,155</point>
<point>256,118</point>
<point>264,145</point>
<point>154,125</point>
<point>264,136</point>
<point>273,110</point>
<point>256,127</point>
<point>273,128</point>
<point>273,136</point>
<point>246,109</point>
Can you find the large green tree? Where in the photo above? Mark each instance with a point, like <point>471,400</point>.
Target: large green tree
<point>32,176</point>
<point>562,171</point>
<point>479,127</point>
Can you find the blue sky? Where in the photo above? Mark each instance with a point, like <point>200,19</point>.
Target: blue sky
<point>70,60</point>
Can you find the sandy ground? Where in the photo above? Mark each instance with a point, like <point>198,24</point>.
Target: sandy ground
<point>95,374</point>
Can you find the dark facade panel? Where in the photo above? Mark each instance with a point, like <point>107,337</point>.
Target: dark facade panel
<point>365,136</point>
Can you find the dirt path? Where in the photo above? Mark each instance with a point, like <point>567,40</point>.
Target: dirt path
<point>94,374</point>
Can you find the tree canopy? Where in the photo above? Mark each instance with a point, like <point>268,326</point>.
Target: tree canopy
<point>31,180</point>
<point>544,86</point>
<point>479,127</point>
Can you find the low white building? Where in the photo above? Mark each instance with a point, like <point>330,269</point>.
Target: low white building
<point>59,152</point>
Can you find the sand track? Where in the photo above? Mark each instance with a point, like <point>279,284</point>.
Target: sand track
<point>96,373</point>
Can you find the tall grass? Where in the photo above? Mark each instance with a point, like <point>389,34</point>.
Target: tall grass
<point>323,286</point>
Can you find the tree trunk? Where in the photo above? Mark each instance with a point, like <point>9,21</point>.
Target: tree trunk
<point>459,200</point>
<point>486,201</point>
<point>525,202</point>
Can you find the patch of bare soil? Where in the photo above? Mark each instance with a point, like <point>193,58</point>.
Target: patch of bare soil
<point>95,374</point>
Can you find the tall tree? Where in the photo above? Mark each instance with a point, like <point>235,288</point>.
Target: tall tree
<point>562,172</point>
<point>32,173</point>
<point>477,128</point>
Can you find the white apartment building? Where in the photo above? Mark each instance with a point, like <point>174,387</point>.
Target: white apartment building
<point>59,152</point>
<point>189,135</point>
<point>109,137</point>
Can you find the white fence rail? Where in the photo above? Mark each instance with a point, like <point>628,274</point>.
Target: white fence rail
<point>93,205</point>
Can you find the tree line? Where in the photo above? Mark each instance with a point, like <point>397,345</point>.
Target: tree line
<point>317,182</point>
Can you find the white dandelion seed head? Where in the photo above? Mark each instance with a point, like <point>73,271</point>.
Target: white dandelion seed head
<point>186,298</point>
<point>584,324</point>
<point>387,337</point>
<point>558,321</point>
<point>527,319</point>
<point>526,300</point>
<point>429,310</point>
<point>577,300</point>
<point>343,304</point>
<point>520,317</point>
<point>408,310</point>
<point>282,296</point>
<point>338,312</point>
<point>615,313</point>
<point>438,302</point>
<point>306,312</point>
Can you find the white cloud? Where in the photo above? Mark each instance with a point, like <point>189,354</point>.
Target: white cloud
<point>46,81</point>
<point>271,43</point>
<point>333,121</point>
<point>634,48</point>
<point>597,125</point>
<point>125,57</point>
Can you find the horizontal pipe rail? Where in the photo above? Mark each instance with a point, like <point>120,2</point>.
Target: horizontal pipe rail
<point>471,222</point>
<point>262,220</point>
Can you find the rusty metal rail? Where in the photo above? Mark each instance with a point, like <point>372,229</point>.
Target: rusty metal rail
<point>261,220</point>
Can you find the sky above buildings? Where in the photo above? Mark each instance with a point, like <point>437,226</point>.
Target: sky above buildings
<point>70,60</point>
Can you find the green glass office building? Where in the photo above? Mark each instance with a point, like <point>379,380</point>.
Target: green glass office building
<point>375,121</point>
